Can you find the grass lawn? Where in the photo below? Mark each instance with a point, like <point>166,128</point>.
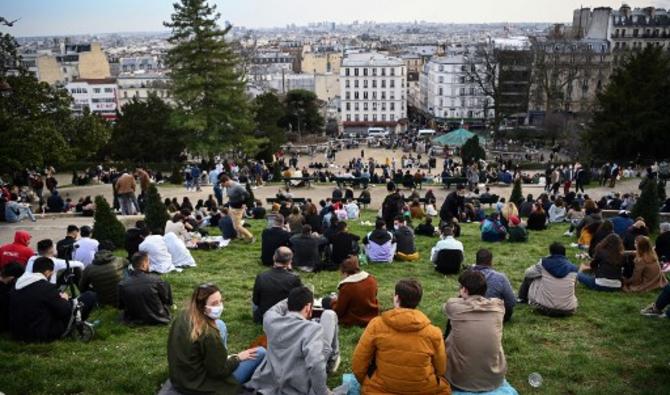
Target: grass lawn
<point>606,348</point>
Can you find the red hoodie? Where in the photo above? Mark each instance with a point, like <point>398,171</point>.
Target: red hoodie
<point>18,251</point>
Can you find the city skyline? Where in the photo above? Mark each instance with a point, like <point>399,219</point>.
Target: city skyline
<point>47,18</point>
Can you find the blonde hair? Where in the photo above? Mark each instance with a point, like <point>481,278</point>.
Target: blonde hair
<point>195,311</point>
<point>509,210</point>
<point>643,249</point>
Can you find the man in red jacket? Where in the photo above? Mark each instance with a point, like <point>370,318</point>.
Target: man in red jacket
<point>18,251</point>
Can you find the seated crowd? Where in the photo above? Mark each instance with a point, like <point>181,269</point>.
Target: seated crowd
<point>399,351</point>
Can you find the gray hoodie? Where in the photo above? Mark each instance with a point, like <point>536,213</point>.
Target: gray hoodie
<point>295,363</point>
<point>28,279</point>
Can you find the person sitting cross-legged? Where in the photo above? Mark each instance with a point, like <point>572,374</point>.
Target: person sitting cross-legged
<point>401,352</point>
<point>154,246</point>
<point>475,356</point>
<point>447,255</point>
<point>104,274</point>
<point>647,275</point>
<point>272,238</point>
<point>606,266</point>
<point>38,311</point>
<point>274,285</point>
<point>549,285</point>
<point>517,232</point>
<point>198,358</point>
<point>404,238</point>
<point>492,230</point>
<point>356,301</point>
<point>301,352</point>
<point>144,297</point>
<point>426,228</point>
<point>306,248</point>
<point>379,244</point>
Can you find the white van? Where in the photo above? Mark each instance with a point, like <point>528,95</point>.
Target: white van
<point>426,133</point>
<point>377,132</point>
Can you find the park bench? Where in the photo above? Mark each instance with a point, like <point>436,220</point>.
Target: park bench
<point>447,181</point>
<point>306,180</point>
<point>353,181</point>
<point>297,200</point>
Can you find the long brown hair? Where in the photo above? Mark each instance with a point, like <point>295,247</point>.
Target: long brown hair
<point>611,249</point>
<point>196,310</point>
<point>643,249</point>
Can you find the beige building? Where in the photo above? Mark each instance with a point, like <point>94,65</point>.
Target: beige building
<point>85,61</point>
<point>321,62</point>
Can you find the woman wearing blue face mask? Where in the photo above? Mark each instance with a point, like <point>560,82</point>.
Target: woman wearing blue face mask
<point>198,357</point>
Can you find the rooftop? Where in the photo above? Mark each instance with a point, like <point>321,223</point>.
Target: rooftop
<point>96,81</point>
<point>370,59</point>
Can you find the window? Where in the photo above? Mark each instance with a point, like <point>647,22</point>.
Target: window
<point>96,90</point>
<point>374,95</point>
<point>356,108</point>
<point>383,106</point>
<point>374,83</point>
<point>392,95</point>
<point>348,117</point>
<point>347,95</point>
<point>440,80</point>
<point>374,106</point>
<point>346,72</point>
<point>365,95</point>
<point>365,84</point>
<point>383,95</point>
<point>356,118</point>
<point>374,117</point>
<point>356,71</point>
<point>374,71</point>
<point>392,106</point>
<point>383,71</point>
<point>391,117</point>
<point>347,84</point>
<point>635,32</point>
<point>348,105</point>
<point>391,83</point>
<point>365,106</point>
<point>356,95</point>
<point>109,90</point>
<point>365,117</point>
<point>355,83</point>
<point>365,72</point>
<point>383,117</point>
<point>440,68</point>
<point>383,83</point>
<point>440,92</point>
<point>125,94</point>
<point>392,71</point>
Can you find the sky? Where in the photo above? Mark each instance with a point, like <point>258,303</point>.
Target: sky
<point>63,17</point>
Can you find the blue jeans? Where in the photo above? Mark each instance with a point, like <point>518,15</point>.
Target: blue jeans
<point>590,282</point>
<point>664,299</point>
<point>246,368</point>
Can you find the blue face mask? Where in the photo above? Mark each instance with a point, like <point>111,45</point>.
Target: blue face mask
<point>214,312</point>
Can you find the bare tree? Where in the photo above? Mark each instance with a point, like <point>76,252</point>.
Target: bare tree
<point>482,70</point>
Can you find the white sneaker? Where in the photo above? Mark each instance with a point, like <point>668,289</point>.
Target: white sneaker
<point>567,233</point>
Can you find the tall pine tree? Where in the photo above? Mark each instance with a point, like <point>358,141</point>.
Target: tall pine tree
<point>648,205</point>
<point>207,81</point>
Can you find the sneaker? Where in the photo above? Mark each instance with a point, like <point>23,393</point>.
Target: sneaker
<point>336,364</point>
<point>651,311</point>
<point>568,233</point>
<point>521,301</point>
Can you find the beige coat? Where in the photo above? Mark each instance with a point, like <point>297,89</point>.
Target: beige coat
<point>647,276</point>
<point>476,360</point>
<point>552,292</point>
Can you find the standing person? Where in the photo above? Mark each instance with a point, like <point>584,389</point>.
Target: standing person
<point>198,358</point>
<point>497,283</point>
<point>475,356</point>
<point>580,178</point>
<point>125,190</point>
<point>64,247</point>
<point>237,196</point>
<point>274,285</point>
<point>144,297</point>
<point>195,177</point>
<point>86,247</point>
<point>393,205</point>
<point>301,352</point>
<point>401,351</point>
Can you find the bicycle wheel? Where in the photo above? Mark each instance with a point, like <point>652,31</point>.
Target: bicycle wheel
<point>83,332</point>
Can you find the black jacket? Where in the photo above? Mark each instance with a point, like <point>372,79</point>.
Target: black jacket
<point>663,246</point>
<point>270,288</point>
<point>343,246</point>
<point>307,250</point>
<point>271,239</point>
<point>145,298</point>
<point>452,205</point>
<point>38,313</point>
<point>64,247</point>
<point>133,240</point>
<point>392,207</point>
